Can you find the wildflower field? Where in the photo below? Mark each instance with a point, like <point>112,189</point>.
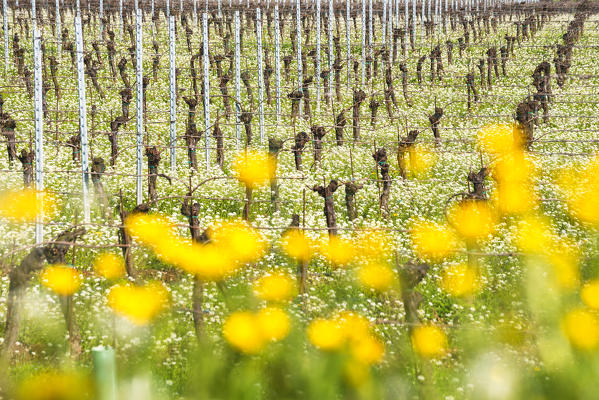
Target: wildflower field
<point>379,199</point>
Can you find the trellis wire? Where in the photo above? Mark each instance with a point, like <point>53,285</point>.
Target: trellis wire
<point>82,119</point>
<point>260,72</point>
<point>172,94</point>
<point>140,121</point>
<point>206,88</point>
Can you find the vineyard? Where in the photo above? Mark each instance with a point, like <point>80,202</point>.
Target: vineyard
<point>315,199</point>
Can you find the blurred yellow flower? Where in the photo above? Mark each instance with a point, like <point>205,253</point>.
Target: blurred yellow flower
<point>367,349</point>
<point>109,266</point>
<point>353,325</point>
<point>514,198</point>
<point>55,385</point>
<point>241,331</point>
<point>242,242</point>
<point>590,294</point>
<point>433,242</point>
<point>429,341</point>
<point>61,279</point>
<point>421,160</point>
<point>326,334</point>
<point>150,229</point>
<point>139,304</point>
<point>254,168</point>
<point>338,251</point>
<point>297,245</point>
<point>26,205</point>
<point>460,280</point>
<point>373,245</point>
<point>499,138</point>
<point>275,287</point>
<point>580,188</point>
<point>564,257</point>
<point>474,220</point>
<point>582,329</point>
<point>356,373</point>
<point>273,323</point>
<point>376,276</point>
<point>514,167</point>
<point>534,235</point>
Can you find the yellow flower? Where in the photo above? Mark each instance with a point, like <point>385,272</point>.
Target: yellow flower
<point>373,245</point>
<point>473,220</point>
<point>429,341</point>
<point>139,304</point>
<point>242,242</point>
<point>61,279</point>
<point>581,191</point>
<point>515,167</point>
<point>590,294</point>
<point>376,276</point>
<point>55,385</point>
<point>254,168</point>
<point>297,245</point>
<point>337,250</point>
<point>514,198</point>
<point>326,334</point>
<point>275,287</point>
<point>26,205</point>
<point>354,326</point>
<point>460,280</point>
<point>564,258</point>
<point>499,138</point>
<point>534,235</point>
<point>421,160</point>
<point>367,349</point>
<point>273,323</point>
<point>433,242</point>
<point>109,266</point>
<point>241,331</point>
<point>582,329</point>
<point>149,229</point>
<point>356,373</point>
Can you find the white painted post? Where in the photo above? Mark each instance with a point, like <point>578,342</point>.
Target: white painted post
<point>237,81</point>
<point>363,18</point>
<point>58,27</point>
<point>39,130</point>
<point>317,56</point>
<point>331,19</point>
<point>260,72</point>
<point>206,88</point>
<point>195,13</point>
<point>82,119</point>
<point>5,25</point>
<point>278,63</point>
<point>140,117</point>
<point>121,17</point>
<point>298,27</point>
<point>101,17</point>
<point>371,64</point>
<point>413,21</point>
<point>173,96</point>
<point>348,43</point>
<point>384,38</point>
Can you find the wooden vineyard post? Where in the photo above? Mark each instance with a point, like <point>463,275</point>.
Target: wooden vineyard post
<point>39,129</point>
<point>206,89</point>
<point>82,119</point>
<point>260,73</point>
<point>172,94</point>
<point>139,104</point>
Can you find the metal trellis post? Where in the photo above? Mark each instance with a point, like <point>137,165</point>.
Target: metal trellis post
<point>278,63</point>
<point>317,56</point>
<point>173,98</point>
<point>260,72</point>
<point>82,119</point>
<point>298,27</point>
<point>39,130</point>
<point>237,81</point>
<point>139,103</point>
<point>206,88</point>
